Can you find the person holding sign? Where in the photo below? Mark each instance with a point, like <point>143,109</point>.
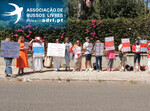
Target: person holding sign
<point>38,54</point>
<point>68,45</point>
<point>98,49</point>
<point>110,50</point>
<point>123,58</point>
<point>87,47</point>
<point>148,56</point>
<point>22,61</point>
<point>136,49</point>
<point>77,50</point>
<point>57,60</point>
<point>8,61</point>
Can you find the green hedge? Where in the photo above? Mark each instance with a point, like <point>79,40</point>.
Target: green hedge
<point>119,28</point>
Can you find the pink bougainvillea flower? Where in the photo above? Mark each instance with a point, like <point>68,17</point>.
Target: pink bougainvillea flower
<point>12,35</point>
<point>55,28</point>
<point>44,37</point>
<point>94,34</point>
<point>30,32</point>
<point>96,37</point>
<point>36,27</point>
<point>62,28</point>
<point>33,29</point>
<point>91,33</point>
<point>91,38</point>
<point>87,31</point>
<point>93,21</point>
<point>62,37</point>
<point>100,22</point>
<point>28,36</point>
<point>63,33</point>
<point>20,30</point>
<point>94,26</point>
<point>23,27</point>
<point>35,37</point>
<point>16,35</point>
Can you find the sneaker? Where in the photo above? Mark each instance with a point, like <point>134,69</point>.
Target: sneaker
<point>97,70</point>
<point>86,70</point>
<point>73,70</point>
<point>139,70</point>
<point>108,70</point>
<point>134,70</point>
<point>91,69</point>
<point>111,70</point>
<point>80,70</point>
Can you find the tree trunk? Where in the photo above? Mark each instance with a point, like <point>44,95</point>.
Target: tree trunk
<point>79,13</point>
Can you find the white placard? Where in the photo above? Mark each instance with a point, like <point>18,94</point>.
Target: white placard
<point>109,43</point>
<point>143,49</point>
<point>124,41</point>
<point>99,49</point>
<point>38,49</point>
<point>10,49</point>
<point>56,50</point>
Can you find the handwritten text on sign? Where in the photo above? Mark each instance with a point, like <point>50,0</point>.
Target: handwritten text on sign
<point>109,43</point>
<point>56,50</point>
<point>10,49</point>
<point>38,49</point>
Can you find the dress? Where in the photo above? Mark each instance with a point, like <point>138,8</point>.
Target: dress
<point>22,61</point>
<point>37,63</point>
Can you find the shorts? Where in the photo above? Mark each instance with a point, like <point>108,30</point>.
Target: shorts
<point>137,56</point>
<point>88,57</point>
<point>148,64</point>
<point>123,59</point>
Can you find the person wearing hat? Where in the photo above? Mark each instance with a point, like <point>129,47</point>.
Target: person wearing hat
<point>8,61</point>
<point>148,56</point>
<point>37,62</point>
<point>87,47</point>
<point>136,49</point>
<point>22,61</point>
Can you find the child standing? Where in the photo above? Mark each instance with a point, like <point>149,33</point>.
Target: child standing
<point>110,59</point>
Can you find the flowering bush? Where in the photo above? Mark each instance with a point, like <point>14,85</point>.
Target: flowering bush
<point>95,29</point>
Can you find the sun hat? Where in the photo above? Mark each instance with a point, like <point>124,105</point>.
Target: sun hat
<point>38,38</point>
<point>87,38</point>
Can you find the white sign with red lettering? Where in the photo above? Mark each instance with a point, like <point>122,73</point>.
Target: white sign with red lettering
<point>143,44</point>
<point>109,43</point>
<point>126,45</point>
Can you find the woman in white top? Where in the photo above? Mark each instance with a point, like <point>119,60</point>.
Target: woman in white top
<point>68,45</point>
<point>57,60</point>
<point>37,62</point>
<point>77,50</point>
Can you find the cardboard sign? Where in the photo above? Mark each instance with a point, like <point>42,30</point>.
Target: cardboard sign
<point>10,49</point>
<point>126,45</point>
<point>143,44</point>
<point>99,49</point>
<point>109,43</point>
<point>56,50</point>
<point>26,45</point>
<point>38,49</point>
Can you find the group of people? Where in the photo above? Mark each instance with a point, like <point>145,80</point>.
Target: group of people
<point>77,49</point>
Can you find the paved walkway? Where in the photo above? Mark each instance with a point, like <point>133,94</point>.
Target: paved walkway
<point>49,74</point>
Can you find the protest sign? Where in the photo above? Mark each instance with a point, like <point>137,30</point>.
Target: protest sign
<point>56,50</point>
<point>109,43</point>
<point>38,49</point>
<point>99,49</point>
<point>26,45</point>
<point>10,49</point>
<point>126,45</point>
<point>143,44</point>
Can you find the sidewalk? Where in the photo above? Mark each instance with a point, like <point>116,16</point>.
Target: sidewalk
<point>49,74</point>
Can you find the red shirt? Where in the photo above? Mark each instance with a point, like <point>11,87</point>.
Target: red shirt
<point>134,48</point>
<point>148,56</point>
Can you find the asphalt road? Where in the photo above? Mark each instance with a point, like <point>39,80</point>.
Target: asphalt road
<point>47,96</point>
